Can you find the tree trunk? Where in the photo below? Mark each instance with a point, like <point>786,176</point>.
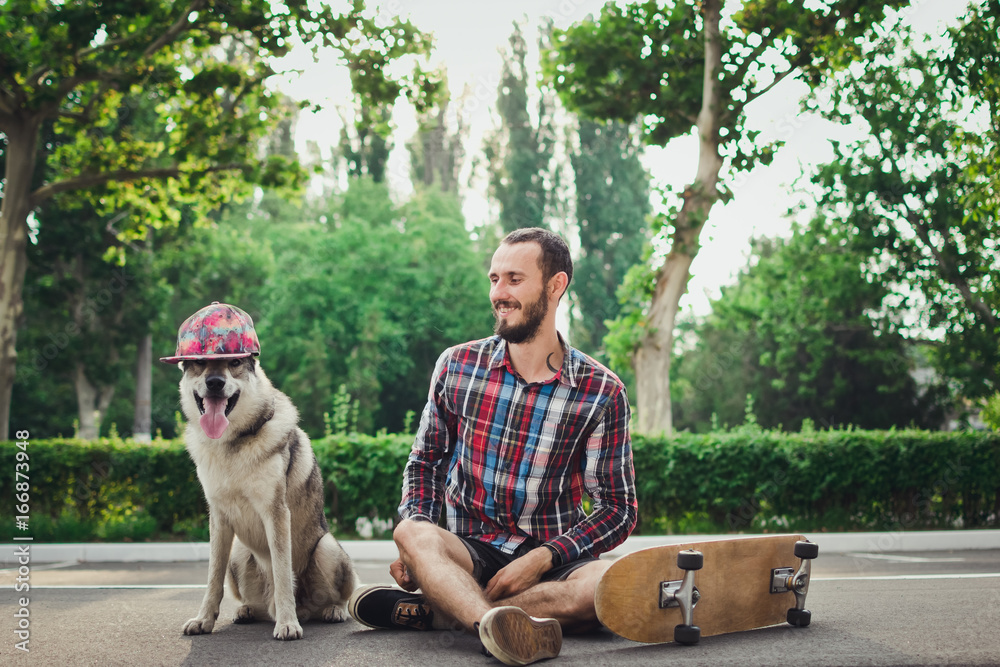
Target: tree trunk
<point>92,402</point>
<point>651,360</point>
<point>22,138</point>
<point>143,424</point>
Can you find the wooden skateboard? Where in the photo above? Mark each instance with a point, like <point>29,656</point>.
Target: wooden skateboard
<point>685,591</point>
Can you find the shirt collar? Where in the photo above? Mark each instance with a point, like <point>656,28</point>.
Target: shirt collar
<point>567,375</point>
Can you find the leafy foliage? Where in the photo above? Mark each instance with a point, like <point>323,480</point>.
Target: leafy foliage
<point>196,73</point>
<point>744,480</point>
<point>808,337</point>
<point>690,64</point>
<point>361,297</point>
<point>991,413</point>
<point>645,60</point>
<point>753,480</point>
<point>920,191</point>
<point>612,202</point>
<point>519,152</point>
<point>437,150</point>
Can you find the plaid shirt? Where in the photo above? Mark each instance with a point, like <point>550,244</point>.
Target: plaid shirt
<point>519,456</point>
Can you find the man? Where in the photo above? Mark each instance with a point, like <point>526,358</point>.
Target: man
<point>516,428</point>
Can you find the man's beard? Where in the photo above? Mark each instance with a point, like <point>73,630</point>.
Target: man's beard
<point>532,316</point>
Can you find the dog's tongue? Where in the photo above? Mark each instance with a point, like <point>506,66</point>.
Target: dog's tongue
<point>214,421</point>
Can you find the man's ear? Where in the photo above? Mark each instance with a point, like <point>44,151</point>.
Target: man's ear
<point>558,284</point>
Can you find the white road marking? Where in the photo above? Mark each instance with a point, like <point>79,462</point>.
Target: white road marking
<point>46,566</point>
<point>914,577</point>
<point>905,559</point>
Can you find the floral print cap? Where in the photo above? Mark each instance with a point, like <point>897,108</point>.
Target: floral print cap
<point>218,331</point>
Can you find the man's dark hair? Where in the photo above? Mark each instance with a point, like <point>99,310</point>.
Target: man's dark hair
<point>555,253</point>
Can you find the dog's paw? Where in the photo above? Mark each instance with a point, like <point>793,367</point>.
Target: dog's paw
<point>287,631</point>
<point>244,615</point>
<point>334,615</point>
<point>199,626</point>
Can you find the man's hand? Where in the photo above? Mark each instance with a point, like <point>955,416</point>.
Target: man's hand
<point>519,575</point>
<point>402,576</point>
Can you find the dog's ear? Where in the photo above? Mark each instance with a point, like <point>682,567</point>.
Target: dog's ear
<point>252,362</point>
<point>180,365</point>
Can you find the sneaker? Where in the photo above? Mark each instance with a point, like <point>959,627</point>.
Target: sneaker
<point>515,638</point>
<point>390,608</point>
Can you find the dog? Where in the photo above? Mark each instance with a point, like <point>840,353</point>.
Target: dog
<point>269,536</point>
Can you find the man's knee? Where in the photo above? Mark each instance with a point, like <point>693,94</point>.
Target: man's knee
<point>408,532</point>
<point>419,538</point>
<point>423,536</point>
<point>590,573</point>
<point>585,580</point>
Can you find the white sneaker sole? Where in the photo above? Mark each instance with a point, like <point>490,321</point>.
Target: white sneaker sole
<point>514,638</point>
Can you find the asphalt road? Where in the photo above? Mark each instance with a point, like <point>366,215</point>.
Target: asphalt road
<point>913,608</point>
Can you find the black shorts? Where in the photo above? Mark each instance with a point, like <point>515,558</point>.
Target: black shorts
<point>487,560</point>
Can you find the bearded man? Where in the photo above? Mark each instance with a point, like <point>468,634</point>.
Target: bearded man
<point>517,427</point>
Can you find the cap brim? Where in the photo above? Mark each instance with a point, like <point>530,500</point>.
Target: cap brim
<point>196,357</point>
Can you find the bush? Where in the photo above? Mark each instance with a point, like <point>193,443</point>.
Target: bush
<point>744,480</point>
<point>118,490</point>
<point>108,489</point>
<point>753,480</point>
<point>991,412</point>
<point>364,477</point>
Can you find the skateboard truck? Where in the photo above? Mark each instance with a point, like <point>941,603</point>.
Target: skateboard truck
<point>683,594</point>
<point>785,579</point>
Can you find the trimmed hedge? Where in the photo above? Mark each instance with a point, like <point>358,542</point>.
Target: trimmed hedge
<point>110,489</point>
<point>754,480</point>
<point>745,480</point>
<point>106,489</point>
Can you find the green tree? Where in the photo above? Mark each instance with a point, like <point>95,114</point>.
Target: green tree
<point>921,190</point>
<point>436,151</point>
<point>612,202</point>
<point>808,336</point>
<point>365,151</point>
<point>80,311</point>
<point>76,63</point>
<point>677,66</point>
<point>194,263</point>
<point>518,155</point>
<point>361,299</point>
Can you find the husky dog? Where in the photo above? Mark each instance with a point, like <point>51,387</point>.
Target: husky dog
<point>269,536</point>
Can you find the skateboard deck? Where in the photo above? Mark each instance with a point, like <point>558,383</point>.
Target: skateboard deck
<point>642,595</point>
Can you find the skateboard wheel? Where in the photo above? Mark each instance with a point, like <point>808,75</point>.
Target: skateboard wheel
<point>806,550</point>
<point>690,560</point>
<point>797,617</point>
<point>687,634</point>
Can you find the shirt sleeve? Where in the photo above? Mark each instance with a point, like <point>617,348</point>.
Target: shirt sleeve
<point>609,479</point>
<point>427,465</point>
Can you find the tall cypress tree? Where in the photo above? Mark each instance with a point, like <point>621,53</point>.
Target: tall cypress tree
<point>612,202</point>
<point>437,151</point>
<point>519,153</point>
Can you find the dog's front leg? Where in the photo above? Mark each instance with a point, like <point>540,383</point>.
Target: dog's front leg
<point>220,543</point>
<point>278,526</point>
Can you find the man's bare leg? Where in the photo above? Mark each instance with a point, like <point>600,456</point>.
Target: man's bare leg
<point>439,562</point>
<point>571,602</point>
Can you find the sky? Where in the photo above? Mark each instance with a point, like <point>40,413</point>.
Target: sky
<point>469,39</point>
